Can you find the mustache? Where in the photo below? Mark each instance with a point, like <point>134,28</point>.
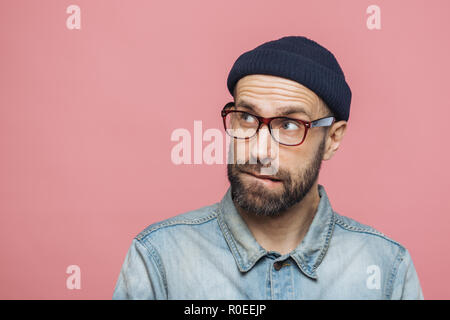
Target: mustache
<point>256,168</point>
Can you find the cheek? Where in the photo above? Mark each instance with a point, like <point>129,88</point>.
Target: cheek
<point>294,160</point>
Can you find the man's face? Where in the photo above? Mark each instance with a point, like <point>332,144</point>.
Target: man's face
<point>298,166</point>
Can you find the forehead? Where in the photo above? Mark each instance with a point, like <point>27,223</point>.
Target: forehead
<point>272,92</point>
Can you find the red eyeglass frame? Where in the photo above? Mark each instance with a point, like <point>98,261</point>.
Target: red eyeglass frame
<point>322,122</point>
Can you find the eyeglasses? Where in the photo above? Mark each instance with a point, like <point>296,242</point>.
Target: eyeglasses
<point>286,131</point>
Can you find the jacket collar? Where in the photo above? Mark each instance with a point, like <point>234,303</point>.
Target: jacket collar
<point>246,250</point>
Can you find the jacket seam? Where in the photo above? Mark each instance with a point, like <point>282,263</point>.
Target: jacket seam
<point>327,243</point>
<point>365,230</point>
<point>398,260</point>
<point>172,222</point>
<point>156,258</point>
<point>230,241</point>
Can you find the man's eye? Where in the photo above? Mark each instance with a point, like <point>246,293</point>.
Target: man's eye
<point>248,118</point>
<point>290,125</point>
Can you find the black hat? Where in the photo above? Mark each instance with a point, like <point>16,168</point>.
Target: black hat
<point>302,60</point>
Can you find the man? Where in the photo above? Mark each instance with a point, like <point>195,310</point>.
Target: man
<point>274,235</point>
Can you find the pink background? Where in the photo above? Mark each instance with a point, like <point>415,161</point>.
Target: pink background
<point>86,118</point>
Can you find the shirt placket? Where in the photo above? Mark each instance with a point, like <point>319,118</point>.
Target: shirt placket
<point>281,279</point>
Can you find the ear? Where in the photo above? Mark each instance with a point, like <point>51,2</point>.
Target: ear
<point>333,138</point>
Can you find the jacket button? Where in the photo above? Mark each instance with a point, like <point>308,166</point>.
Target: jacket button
<point>278,265</point>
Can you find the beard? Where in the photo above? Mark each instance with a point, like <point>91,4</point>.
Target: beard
<point>259,200</point>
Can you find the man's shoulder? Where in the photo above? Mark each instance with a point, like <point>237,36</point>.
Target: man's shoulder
<point>354,229</point>
<point>195,217</point>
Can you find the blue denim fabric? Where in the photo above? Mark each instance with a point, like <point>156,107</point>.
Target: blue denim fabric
<point>210,253</point>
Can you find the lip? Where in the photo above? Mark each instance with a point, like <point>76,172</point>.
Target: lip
<point>262,177</point>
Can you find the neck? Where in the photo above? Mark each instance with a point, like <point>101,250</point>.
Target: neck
<point>285,232</point>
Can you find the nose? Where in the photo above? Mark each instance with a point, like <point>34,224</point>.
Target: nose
<point>264,148</point>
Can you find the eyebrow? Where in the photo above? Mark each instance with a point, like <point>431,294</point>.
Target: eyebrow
<point>281,111</point>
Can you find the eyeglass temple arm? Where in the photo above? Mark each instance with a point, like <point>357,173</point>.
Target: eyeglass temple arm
<point>324,122</point>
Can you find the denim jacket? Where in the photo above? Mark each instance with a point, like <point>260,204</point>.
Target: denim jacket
<point>210,253</point>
